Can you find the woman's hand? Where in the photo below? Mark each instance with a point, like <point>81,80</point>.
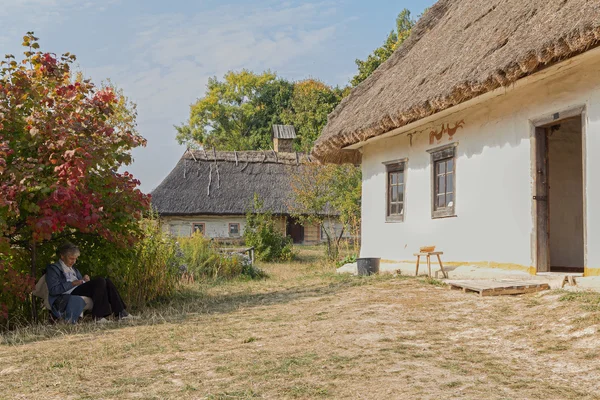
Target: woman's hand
<point>79,282</point>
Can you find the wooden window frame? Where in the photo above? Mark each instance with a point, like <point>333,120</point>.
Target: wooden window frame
<point>239,228</point>
<point>440,154</point>
<point>203,227</point>
<point>390,167</point>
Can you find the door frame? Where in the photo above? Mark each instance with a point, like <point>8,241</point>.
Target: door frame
<point>540,206</point>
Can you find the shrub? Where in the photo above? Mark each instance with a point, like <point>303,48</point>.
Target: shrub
<point>269,244</point>
<point>203,259</point>
<point>144,272</point>
<point>349,259</point>
<point>151,271</point>
<point>15,286</point>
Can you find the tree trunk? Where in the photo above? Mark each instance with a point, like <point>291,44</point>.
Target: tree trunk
<point>328,244</point>
<point>34,313</point>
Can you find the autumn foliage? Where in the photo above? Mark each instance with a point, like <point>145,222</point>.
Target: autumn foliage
<point>62,142</point>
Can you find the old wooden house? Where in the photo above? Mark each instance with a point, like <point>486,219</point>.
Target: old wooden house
<point>211,191</point>
<point>479,136</point>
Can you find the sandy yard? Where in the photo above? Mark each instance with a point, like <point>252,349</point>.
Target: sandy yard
<point>307,333</point>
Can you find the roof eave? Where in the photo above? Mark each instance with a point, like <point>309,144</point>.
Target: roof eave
<point>542,73</point>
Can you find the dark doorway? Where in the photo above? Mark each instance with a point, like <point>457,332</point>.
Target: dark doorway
<point>559,198</point>
<point>295,230</point>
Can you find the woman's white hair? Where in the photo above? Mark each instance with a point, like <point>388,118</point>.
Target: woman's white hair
<point>68,249</point>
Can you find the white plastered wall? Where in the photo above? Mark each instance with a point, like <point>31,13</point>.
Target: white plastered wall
<point>215,226</point>
<point>494,175</point>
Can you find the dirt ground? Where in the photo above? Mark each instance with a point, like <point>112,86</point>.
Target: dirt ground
<point>307,333</point>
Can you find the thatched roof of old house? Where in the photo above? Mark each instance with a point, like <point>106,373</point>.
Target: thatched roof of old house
<point>459,49</point>
<point>224,183</point>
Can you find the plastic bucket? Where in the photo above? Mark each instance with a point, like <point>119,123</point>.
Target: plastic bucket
<point>368,266</point>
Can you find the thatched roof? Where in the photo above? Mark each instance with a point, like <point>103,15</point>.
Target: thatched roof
<point>284,132</point>
<point>224,183</point>
<point>459,49</point>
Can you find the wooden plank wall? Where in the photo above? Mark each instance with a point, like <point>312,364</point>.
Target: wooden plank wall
<point>312,233</point>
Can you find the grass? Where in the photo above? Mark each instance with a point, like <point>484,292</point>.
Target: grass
<point>308,333</point>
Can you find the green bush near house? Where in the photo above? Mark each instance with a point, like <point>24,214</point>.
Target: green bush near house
<point>202,258</point>
<point>269,244</point>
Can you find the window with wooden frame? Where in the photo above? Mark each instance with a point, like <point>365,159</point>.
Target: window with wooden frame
<point>443,162</point>
<point>199,227</point>
<point>395,191</point>
<point>234,229</point>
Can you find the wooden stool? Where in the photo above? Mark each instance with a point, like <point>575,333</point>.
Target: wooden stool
<point>428,255</point>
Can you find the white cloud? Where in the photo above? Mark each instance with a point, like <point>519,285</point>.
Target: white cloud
<point>163,60</point>
<point>173,55</point>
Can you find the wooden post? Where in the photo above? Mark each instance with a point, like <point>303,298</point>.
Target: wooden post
<point>442,267</point>
<point>541,201</point>
<point>417,270</point>
<point>429,264</point>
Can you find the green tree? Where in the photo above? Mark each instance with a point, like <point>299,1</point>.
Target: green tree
<point>404,25</point>
<point>311,102</point>
<point>237,113</point>
<point>323,193</point>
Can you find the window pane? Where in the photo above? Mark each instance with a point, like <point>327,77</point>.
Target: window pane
<point>450,200</point>
<point>441,184</point>
<point>401,193</point>
<point>441,201</point>
<point>393,178</point>
<point>401,208</point>
<point>401,177</point>
<point>450,165</point>
<point>394,209</point>
<point>441,167</point>
<point>394,194</point>
<point>450,183</point>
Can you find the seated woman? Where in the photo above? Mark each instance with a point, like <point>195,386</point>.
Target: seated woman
<point>66,284</point>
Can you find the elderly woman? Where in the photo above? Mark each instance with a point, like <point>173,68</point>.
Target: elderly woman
<point>66,285</point>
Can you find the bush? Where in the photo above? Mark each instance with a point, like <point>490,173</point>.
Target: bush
<point>15,285</point>
<point>269,244</point>
<point>151,270</point>
<point>203,259</point>
<point>349,259</point>
<point>143,273</point>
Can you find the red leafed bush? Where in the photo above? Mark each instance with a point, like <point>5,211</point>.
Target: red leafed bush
<point>63,141</point>
<point>14,288</point>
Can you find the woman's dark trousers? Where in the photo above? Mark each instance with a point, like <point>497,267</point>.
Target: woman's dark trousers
<point>105,296</point>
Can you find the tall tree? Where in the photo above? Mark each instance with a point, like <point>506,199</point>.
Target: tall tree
<point>237,113</point>
<point>311,102</point>
<point>62,143</point>
<point>404,25</point>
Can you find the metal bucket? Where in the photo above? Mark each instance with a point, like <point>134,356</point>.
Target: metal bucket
<point>368,266</point>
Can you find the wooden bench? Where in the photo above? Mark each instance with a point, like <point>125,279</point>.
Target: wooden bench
<point>248,250</point>
<point>428,255</point>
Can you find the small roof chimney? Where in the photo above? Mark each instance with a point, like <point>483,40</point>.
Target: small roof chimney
<point>283,138</point>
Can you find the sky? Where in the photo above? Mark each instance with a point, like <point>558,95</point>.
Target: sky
<point>161,53</point>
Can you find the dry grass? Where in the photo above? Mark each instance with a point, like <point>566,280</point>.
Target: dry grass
<point>306,333</point>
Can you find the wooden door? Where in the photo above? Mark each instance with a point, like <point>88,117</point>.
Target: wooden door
<point>295,230</point>
<point>541,201</point>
